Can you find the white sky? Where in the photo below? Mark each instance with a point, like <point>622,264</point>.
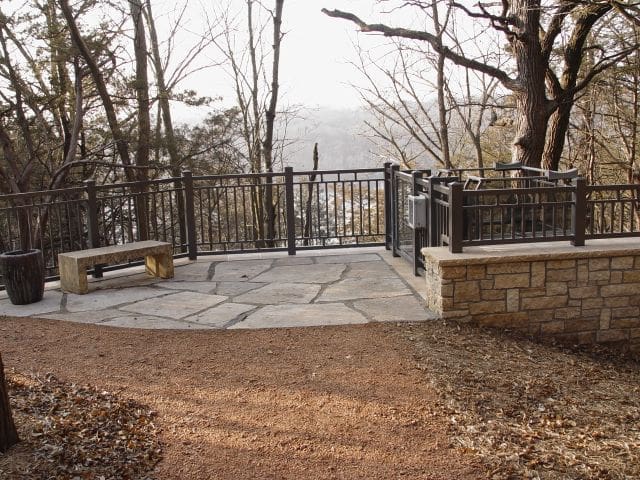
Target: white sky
<point>316,53</point>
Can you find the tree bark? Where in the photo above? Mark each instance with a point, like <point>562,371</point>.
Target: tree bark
<point>144,120</point>
<point>167,121</point>
<point>270,114</point>
<point>443,126</point>
<point>8,433</point>
<point>531,46</point>
<point>120,140</point>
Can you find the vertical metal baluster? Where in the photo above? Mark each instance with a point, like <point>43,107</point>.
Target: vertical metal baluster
<point>218,196</point>
<point>172,221</point>
<point>344,209</point>
<point>226,211</point>
<point>244,214</point>
<point>360,207</point>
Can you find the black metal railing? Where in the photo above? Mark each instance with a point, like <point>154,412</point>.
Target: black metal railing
<point>463,209</point>
<point>203,214</point>
<point>322,209</point>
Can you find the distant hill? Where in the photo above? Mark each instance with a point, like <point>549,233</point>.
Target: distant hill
<point>338,133</point>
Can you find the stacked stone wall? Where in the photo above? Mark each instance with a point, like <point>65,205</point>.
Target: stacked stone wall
<point>590,299</point>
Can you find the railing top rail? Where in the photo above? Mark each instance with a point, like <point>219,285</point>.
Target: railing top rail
<point>621,186</point>
<point>504,167</point>
<point>42,193</point>
<point>281,174</point>
<point>505,179</point>
<point>404,176</point>
<point>142,183</point>
<point>338,172</point>
<point>424,181</point>
<point>519,191</point>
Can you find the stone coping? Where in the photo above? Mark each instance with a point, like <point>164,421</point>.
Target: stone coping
<point>489,254</point>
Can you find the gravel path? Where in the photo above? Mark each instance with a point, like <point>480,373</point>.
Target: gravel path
<point>324,402</point>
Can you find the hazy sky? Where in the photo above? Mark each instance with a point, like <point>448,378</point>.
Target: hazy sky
<point>315,56</point>
<point>317,52</point>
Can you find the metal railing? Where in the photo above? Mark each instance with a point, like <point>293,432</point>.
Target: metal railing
<point>464,210</point>
<point>202,215</point>
<point>320,209</point>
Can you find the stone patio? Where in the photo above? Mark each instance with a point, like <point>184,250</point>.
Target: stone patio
<point>268,290</point>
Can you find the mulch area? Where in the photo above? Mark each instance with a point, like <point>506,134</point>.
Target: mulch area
<point>423,401</point>
<point>534,411</point>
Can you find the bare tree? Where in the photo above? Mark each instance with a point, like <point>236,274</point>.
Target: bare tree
<point>255,71</point>
<point>533,32</point>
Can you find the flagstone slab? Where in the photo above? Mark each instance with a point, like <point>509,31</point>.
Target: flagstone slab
<point>369,270</point>
<point>237,288</point>
<point>355,258</point>
<point>197,271</point>
<point>50,303</point>
<point>176,306</point>
<point>101,299</point>
<point>302,274</point>
<point>221,315</point>
<point>276,293</point>
<point>151,322</point>
<point>293,260</point>
<point>202,287</point>
<point>406,308</point>
<point>311,315</point>
<point>95,316</point>
<point>240,270</point>
<point>356,288</point>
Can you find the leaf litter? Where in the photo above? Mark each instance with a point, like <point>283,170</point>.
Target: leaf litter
<point>531,410</point>
<point>69,431</point>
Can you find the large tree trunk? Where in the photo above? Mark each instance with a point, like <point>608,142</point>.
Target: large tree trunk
<point>165,114</point>
<point>558,127</point>
<point>270,115</point>
<point>532,105</point>
<point>8,433</point>
<point>144,120</point>
<point>531,129</point>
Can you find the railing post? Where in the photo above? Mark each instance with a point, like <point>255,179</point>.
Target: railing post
<point>93,236</point>
<point>415,175</point>
<point>387,205</point>
<point>394,210</point>
<point>578,211</point>
<point>189,213</point>
<point>432,228</point>
<point>456,224</point>
<point>290,210</point>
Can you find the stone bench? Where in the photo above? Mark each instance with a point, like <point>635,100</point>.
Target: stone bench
<point>73,265</point>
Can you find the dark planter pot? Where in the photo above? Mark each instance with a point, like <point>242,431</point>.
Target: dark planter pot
<point>23,275</point>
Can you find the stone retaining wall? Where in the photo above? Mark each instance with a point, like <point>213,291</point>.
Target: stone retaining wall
<point>579,295</point>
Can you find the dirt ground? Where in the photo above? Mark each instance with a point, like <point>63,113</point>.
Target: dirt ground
<point>332,402</point>
<point>423,401</point>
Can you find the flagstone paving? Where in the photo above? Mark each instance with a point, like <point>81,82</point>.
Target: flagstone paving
<point>244,291</point>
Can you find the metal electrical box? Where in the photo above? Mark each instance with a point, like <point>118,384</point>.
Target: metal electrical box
<point>416,211</point>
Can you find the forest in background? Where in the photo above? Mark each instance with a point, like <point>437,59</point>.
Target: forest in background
<point>88,90</point>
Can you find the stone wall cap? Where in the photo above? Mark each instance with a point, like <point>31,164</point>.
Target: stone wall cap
<point>485,254</point>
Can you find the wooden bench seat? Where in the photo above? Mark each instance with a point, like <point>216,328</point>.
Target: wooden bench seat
<point>73,265</point>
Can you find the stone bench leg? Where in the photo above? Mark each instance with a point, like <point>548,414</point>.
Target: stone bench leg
<point>73,276</point>
<point>159,265</point>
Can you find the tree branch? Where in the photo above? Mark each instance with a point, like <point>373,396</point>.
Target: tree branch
<point>456,58</point>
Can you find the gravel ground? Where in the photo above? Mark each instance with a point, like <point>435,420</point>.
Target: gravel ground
<point>332,402</point>
<point>420,401</point>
